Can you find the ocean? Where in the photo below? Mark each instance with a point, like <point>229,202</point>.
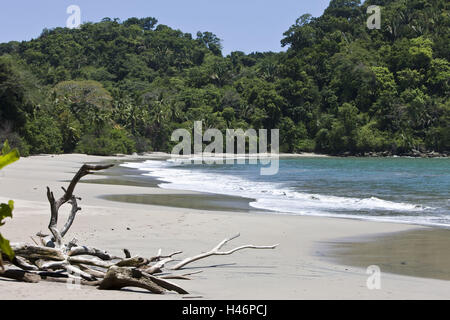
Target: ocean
<point>404,190</point>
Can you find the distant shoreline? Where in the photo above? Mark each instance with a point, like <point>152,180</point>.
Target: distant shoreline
<point>165,155</point>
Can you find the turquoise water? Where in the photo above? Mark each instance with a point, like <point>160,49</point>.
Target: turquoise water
<point>387,189</point>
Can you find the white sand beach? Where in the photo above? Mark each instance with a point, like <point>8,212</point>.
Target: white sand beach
<point>297,269</point>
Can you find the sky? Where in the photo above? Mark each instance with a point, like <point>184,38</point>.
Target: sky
<point>243,25</point>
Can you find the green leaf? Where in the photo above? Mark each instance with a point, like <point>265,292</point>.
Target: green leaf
<point>6,248</point>
<point>6,148</point>
<point>6,211</point>
<point>9,158</point>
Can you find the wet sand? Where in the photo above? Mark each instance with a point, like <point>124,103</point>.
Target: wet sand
<point>189,201</point>
<point>418,253</point>
<point>123,176</point>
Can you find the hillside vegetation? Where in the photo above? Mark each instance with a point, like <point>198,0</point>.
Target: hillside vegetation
<point>122,87</point>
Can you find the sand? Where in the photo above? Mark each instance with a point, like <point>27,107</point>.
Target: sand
<point>300,268</point>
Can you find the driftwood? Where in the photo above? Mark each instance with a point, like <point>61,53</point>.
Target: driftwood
<point>70,198</point>
<point>20,275</point>
<point>215,252</point>
<point>56,261</point>
<point>117,278</point>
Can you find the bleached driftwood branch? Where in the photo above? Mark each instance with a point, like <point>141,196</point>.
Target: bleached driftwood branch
<point>70,198</point>
<point>215,252</point>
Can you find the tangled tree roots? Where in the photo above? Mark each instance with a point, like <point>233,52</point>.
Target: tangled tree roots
<point>52,260</point>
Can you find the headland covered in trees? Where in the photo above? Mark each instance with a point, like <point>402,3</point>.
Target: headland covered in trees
<point>122,87</point>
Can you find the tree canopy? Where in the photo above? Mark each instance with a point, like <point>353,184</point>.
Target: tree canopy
<point>119,87</point>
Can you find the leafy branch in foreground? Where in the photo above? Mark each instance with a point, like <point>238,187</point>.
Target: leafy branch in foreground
<point>8,156</point>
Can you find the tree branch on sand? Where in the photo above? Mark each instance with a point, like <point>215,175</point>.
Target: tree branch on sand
<point>57,261</point>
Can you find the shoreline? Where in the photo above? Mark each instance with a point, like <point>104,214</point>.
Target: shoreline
<point>371,154</point>
<point>298,269</point>
<point>156,181</point>
<point>165,155</point>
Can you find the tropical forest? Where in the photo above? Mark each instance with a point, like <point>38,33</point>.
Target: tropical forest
<point>340,88</point>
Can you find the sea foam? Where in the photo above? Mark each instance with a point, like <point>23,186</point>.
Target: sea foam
<point>276,197</point>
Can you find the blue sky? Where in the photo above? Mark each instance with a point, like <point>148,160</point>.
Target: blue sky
<point>245,25</point>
